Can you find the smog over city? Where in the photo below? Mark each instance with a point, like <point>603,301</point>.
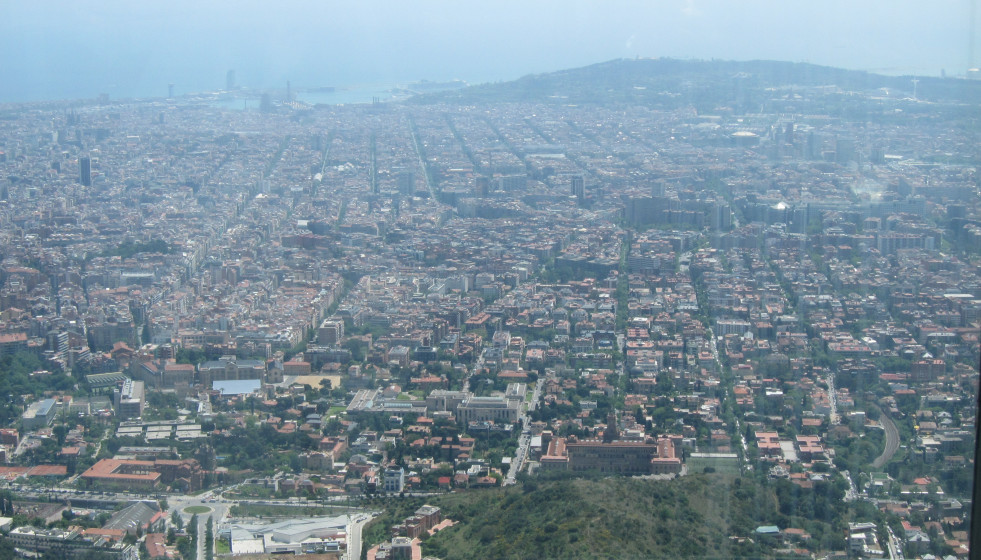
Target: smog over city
<point>579,279</point>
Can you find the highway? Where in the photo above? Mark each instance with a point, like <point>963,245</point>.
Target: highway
<point>76,496</point>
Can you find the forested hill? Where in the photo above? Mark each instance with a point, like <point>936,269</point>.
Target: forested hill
<point>697,516</point>
<point>672,83</point>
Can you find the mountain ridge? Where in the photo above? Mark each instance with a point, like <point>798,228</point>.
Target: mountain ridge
<point>673,83</point>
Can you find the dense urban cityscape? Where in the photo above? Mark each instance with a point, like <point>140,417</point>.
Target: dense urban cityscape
<point>351,331</point>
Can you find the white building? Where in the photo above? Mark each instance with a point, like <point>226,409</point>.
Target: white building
<point>130,399</point>
<point>39,414</point>
<point>294,536</point>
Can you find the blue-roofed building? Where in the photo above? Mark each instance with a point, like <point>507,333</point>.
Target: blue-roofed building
<point>230,368</point>
<point>39,414</point>
<point>237,387</point>
<point>768,530</point>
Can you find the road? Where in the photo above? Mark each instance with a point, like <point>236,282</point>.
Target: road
<point>202,541</point>
<point>477,366</point>
<point>218,510</point>
<point>416,143</point>
<point>892,441</point>
<point>895,549</point>
<point>833,399</point>
<point>355,528</point>
<point>852,493</point>
<point>713,344</point>
<point>519,457</point>
<point>108,499</point>
<point>524,440</point>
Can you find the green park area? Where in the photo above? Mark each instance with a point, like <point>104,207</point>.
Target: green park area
<point>197,510</point>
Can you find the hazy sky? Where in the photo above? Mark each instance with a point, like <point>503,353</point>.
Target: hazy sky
<point>52,49</point>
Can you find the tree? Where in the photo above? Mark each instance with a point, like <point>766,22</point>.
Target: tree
<point>6,503</point>
<point>209,539</point>
<point>191,356</point>
<point>296,464</point>
<point>192,531</point>
<point>357,351</point>
<point>60,431</point>
<point>184,547</point>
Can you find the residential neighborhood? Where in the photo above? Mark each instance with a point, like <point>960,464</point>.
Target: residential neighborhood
<point>212,316</point>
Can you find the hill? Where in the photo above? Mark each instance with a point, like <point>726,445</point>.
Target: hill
<point>671,83</point>
<point>697,516</point>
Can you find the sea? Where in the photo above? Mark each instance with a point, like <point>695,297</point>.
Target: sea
<point>321,96</point>
<point>242,99</point>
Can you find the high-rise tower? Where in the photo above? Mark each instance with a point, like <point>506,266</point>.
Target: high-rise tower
<point>579,187</point>
<point>85,171</point>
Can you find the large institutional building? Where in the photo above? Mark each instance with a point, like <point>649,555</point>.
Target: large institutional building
<point>117,473</point>
<point>611,455</point>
